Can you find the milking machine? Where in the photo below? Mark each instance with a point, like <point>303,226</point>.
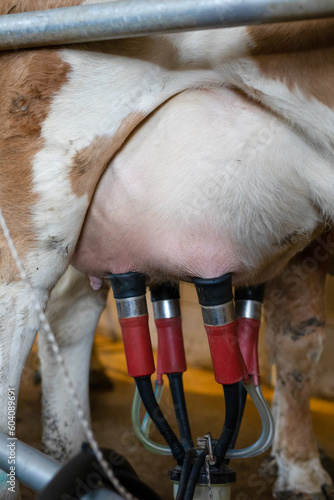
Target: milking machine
<point>201,471</point>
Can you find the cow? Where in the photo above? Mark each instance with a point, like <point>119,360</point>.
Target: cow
<point>67,113</point>
<point>248,144</point>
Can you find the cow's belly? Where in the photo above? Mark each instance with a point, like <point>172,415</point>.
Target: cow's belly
<point>210,183</point>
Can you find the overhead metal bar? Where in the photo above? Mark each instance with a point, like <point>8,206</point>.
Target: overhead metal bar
<point>129,18</point>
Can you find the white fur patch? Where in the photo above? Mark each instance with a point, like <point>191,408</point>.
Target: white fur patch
<point>306,477</point>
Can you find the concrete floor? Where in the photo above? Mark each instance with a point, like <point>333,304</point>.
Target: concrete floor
<point>112,423</point>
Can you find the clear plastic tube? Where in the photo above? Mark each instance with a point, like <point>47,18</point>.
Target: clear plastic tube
<point>142,431</point>
<point>268,428</point>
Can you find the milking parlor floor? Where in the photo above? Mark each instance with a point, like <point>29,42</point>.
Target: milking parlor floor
<point>112,423</point>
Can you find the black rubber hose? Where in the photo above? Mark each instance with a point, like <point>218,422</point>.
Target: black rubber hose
<point>185,473</point>
<point>231,392</point>
<point>193,478</point>
<point>149,401</point>
<point>176,388</point>
<point>242,404</point>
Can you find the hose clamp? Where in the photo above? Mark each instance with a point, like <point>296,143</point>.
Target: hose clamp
<point>218,315</point>
<point>165,309</point>
<point>131,307</point>
<point>249,309</point>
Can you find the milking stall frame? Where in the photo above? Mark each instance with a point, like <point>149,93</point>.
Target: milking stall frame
<point>232,322</point>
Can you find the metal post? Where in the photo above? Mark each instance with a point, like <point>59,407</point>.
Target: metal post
<point>128,18</point>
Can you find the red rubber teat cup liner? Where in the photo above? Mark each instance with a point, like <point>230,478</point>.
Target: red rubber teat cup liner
<point>248,335</point>
<point>137,345</point>
<point>171,355</point>
<point>228,364</point>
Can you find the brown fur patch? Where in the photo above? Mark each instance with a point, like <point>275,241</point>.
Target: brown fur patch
<point>90,163</point>
<point>299,54</point>
<point>16,6</point>
<point>28,80</point>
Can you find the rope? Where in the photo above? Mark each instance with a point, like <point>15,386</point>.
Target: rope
<point>61,363</point>
<point>207,469</point>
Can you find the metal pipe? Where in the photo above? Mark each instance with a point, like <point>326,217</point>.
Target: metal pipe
<point>35,469</point>
<point>32,468</point>
<point>128,18</point>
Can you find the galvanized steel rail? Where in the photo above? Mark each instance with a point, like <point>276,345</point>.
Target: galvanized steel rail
<point>129,18</point>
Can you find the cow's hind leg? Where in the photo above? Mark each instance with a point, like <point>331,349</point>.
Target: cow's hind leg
<point>18,326</point>
<point>295,319</point>
<point>73,312</point>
